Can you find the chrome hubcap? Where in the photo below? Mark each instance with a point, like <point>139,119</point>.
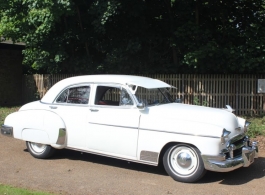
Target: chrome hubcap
<point>38,148</point>
<point>183,161</point>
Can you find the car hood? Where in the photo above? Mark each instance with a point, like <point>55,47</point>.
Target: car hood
<point>183,117</point>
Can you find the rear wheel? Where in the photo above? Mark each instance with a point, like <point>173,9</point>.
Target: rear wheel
<point>183,163</point>
<point>40,150</point>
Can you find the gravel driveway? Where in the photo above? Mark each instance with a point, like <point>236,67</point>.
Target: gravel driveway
<point>71,172</point>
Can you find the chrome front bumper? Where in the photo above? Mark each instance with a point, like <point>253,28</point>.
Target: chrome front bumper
<point>221,164</point>
<point>7,130</point>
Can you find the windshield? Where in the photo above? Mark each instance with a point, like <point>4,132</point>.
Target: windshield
<point>152,97</point>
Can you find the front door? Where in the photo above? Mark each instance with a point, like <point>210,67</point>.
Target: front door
<point>113,122</point>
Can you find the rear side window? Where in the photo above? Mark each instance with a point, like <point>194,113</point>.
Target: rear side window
<point>75,95</point>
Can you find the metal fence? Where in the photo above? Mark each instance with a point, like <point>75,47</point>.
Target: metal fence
<point>238,91</point>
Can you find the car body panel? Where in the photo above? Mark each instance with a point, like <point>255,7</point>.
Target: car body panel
<point>119,134</point>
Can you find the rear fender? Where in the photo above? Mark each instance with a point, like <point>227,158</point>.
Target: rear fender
<point>56,129</point>
<point>40,126</point>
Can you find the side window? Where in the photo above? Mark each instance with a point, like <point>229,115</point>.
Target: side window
<point>75,95</point>
<point>112,96</point>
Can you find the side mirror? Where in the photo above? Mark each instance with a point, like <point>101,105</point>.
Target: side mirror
<point>141,106</point>
<point>178,101</point>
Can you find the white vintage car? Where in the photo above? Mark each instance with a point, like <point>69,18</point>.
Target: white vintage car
<point>133,118</point>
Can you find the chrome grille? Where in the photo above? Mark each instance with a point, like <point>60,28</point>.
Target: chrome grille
<point>235,145</point>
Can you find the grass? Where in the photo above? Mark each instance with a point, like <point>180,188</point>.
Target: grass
<point>9,190</point>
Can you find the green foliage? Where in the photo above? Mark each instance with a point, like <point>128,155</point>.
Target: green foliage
<point>34,23</point>
<point>257,126</point>
<point>196,101</point>
<point>137,37</point>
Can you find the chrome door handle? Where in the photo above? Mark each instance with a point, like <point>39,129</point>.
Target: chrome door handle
<point>53,107</point>
<point>93,110</point>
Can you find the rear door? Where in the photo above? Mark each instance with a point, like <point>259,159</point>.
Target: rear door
<point>72,106</point>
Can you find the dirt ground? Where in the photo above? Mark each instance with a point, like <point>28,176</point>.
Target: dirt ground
<point>71,172</point>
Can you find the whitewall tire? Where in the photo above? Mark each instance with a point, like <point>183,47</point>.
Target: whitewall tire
<point>40,150</point>
<point>183,163</point>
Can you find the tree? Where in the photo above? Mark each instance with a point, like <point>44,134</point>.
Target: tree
<point>137,36</point>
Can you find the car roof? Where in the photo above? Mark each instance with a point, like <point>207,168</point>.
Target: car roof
<point>145,82</point>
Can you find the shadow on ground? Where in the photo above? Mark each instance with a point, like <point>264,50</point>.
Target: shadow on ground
<point>238,177</point>
<point>75,155</point>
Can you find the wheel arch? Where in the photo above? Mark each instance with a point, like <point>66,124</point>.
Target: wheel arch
<point>55,127</point>
<point>187,167</point>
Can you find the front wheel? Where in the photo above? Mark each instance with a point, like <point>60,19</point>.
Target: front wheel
<point>40,150</point>
<point>183,163</point>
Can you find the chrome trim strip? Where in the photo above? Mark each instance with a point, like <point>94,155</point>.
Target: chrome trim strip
<point>113,125</point>
<point>88,105</point>
<point>174,132</point>
<point>120,158</point>
<point>65,104</point>
<point>154,130</point>
<point>61,136</point>
<point>7,130</point>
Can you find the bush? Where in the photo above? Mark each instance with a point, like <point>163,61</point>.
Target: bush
<point>257,126</point>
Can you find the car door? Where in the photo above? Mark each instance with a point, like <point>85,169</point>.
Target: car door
<point>113,122</point>
<point>72,106</point>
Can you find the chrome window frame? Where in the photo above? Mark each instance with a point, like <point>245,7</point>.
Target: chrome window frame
<point>117,85</point>
<point>72,86</point>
